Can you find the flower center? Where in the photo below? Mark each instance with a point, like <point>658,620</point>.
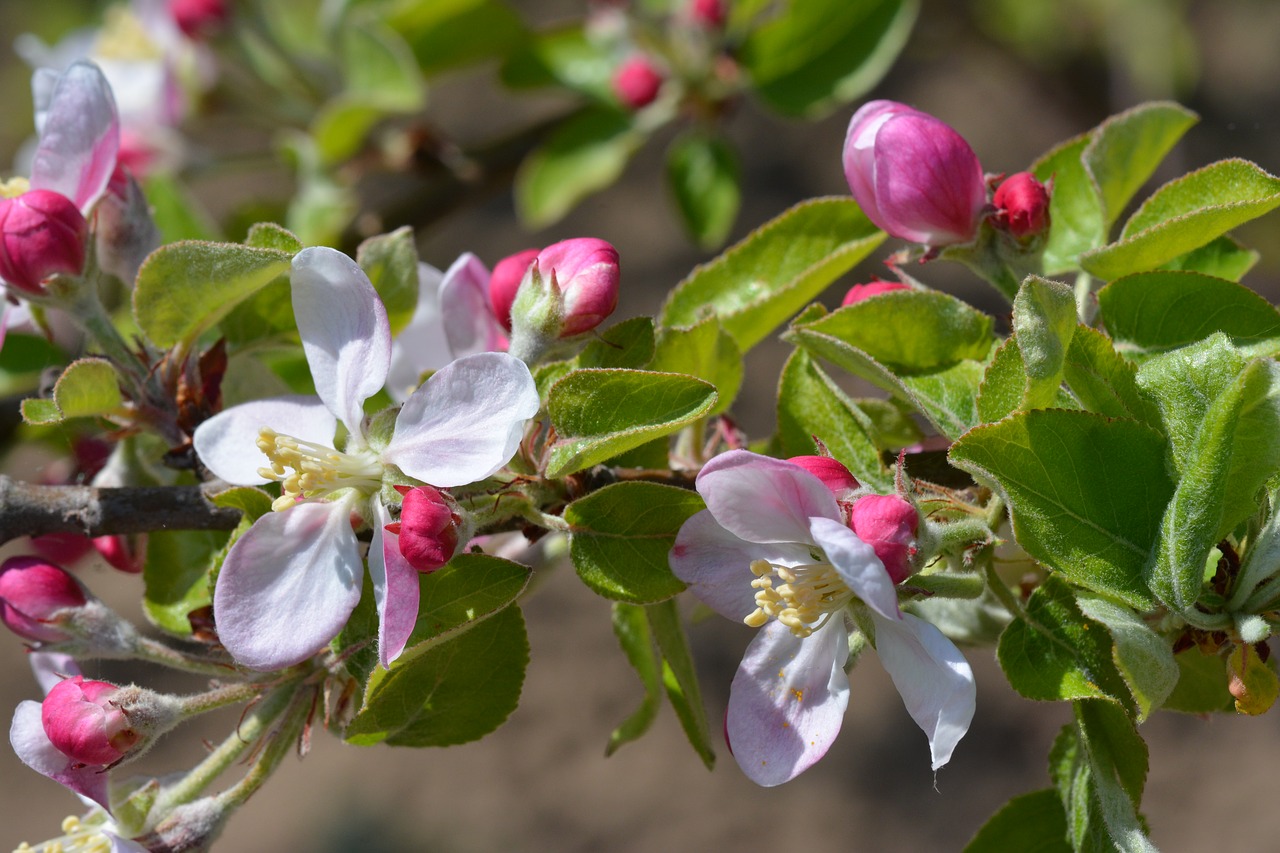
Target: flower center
<point>14,187</point>
<point>307,470</point>
<point>78,837</point>
<point>124,37</point>
<point>804,599</point>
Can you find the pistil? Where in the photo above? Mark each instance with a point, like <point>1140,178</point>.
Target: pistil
<point>307,470</point>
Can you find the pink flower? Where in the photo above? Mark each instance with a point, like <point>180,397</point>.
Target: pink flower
<point>32,593</point>
<point>42,234</point>
<point>859,292</point>
<point>1022,205</point>
<point>912,175</point>
<point>833,475</point>
<point>427,530</point>
<point>199,19</point>
<point>505,283</point>
<point>710,14</point>
<point>637,82</point>
<point>888,524</point>
<point>84,724</point>
<point>586,272</point>
<point>774,549</point>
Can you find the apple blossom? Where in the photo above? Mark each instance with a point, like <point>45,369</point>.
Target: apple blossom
<point>42,234</point>
<point>859,292</point>
<point>912,175</point>
<point>568,290</point>
<point>774,549</point>
<point>85,724</point>
<point>636,82</point>
<point>290,582</point>
<point>1022,205</point>
<point>32,593</point>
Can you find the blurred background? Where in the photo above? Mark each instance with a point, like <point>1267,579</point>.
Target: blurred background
<point>1014,78</point>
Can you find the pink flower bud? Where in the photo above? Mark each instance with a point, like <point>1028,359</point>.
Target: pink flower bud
<point>710,14</point>
<point>428,529</point>
<point>636,82</point>
<point>1022,205</point>
<point>199,18</point>
<point>505,281</point>
<point>32,591</point>
<point>84,724</point>
<point>834,476</point>
<point>62,548</point>
<point>888,524</point>
<point>859,292</point>
<point>913,176</point>
<point>42,233</point>
<point>121,553</point>
<point>586,272</point>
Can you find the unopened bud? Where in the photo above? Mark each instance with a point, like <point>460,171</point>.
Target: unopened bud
<point>428,529</point>
<point>505,282</point>
<point>912,175</point>
<point>1022,205</point>
<point>42,233</point>
<point>710,14</point>
<point>121,552</point>
<point>834,475</point>
<point>637,82</point>
<point>569,289</point>
<point>859,292</point>
<point>888,524</point>
<point>84,722</point>
<point>124,228</point>
<point>32,593</point>
<point>199,19</point>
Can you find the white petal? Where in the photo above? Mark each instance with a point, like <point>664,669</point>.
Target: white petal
<point>465,422</point>
<point>344,331</point>
<point>857,564</point>
<point>395,589</point>
<point>52,668</point>
<point>288,585</point>
<point>33,748</point>
<point>466,310</point>
<point>760,499</point>
<point>933,678</point>
<point>787,701</point>
<point>421,345</point>
<point>227,443</point>
<point>77,150</point>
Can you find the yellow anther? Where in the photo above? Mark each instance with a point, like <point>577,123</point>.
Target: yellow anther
<point>305,469</point>
<point>124,37</point>
<point>14,187</point>
<point>804,600</point>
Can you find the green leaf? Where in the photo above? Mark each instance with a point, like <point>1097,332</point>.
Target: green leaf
<point>378,67</point>
<point>1004,383</point>
<point>445,34</point>
<point>269,235</point>
<point>703,174</point>
<point>1253,680</point>
<point>1202,684</point>
<point>1143,657</point>
<point>454,692</point>
<point>680,678</point>
<point>1185,214</point>
<point>1103,381</point>
<point>185,288</point>
<point>631,627</point>
<point>1075,210</point>
<point>565,55</point>
<point>1056,654</point>
<point>598,414</point>
<point>1117,759</point>
<point>1222,258</point>
<point>760,282</point>
<point>1158,311</point>
<point>818,54</point>
<point>810,404</point>
<point>1029,823</point>
<point>1044,320</point>
<point>1125,150</point>
<point>892,426</point>
<point>391,262</point>
<point>706,351</point>
<point>39,411</point>
<point>177,214</point>
<point>176,576</point>
<point>586,153</point>
<point>626,344</point>
<point>87,388</point>
<point>1086,493</point>
<point>620,537</point>
<point>1073,777</point>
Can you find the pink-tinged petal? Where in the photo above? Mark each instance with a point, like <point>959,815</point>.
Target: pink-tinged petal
<point>43,83</point>
<point>716,565</point>
<point>465,422</point>
<point>344,330</point>
<point>859,153</point>
<point>933,678</point>
<point>34,749</point>
<point>395,589</point>
<point>288,585</point>
<point>123,845</point>
<point>469,320</point>
<point>421,345</point>
<point>52,668</point>
<point>761,499</point>
<point>858,566</point>
<point>787,701</point>
<point>77,150</point>
<point>227,443</point>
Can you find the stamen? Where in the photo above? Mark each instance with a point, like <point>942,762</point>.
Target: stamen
<point>306,470</point>
<point>77,837</point>
<point>804,600</point>
<point>14,187</point>
<point>124,37</point>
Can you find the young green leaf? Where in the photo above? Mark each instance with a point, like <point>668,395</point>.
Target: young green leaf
<point>1044,320</point>
<point>1144,657</point>
<point>702,172</point>
<point>680,678</point>
<point>706,351</point>
<point>631,627</point>
<point>1075,209</point>
<point>1125,150</point>
<point>1032,823</point>
<point>391,262</point>
<point>1103,381</point>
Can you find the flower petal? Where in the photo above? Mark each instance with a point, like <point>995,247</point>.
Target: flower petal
<point>787,701</point>
<point>421,345</point>
<point>933,678</point>
<point>858,566</point>
<point>52,668</point>
<point>227,443</point>
<point>761,499</point>
<point>465,422</point>
<point>344,330</point>
<point>81,137</point>
<point>717,565</point>
<point>395,588</point>
<point>469,321</point>
<point>33,747</point>
<point>288,585</point>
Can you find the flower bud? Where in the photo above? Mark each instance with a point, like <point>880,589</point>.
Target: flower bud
<point>199,19</point>
<point>121,552</point>
<point>859,292</point>
<point>888,524</point>
<point>1022,205</point>
<point>61,548</point>
<point>32,592</point>
<point>428,529</point>
<point>505,282</point>
<point>709,14</point>
<point>586,272</point>
<point>834,476</point>
<point>636,82</point>
<point>124,229</point>
<point>85,724</point>
<point>42,233</point>
<point>912,175</point>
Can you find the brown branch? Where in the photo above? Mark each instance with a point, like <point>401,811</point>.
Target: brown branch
<point>31,510</point>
